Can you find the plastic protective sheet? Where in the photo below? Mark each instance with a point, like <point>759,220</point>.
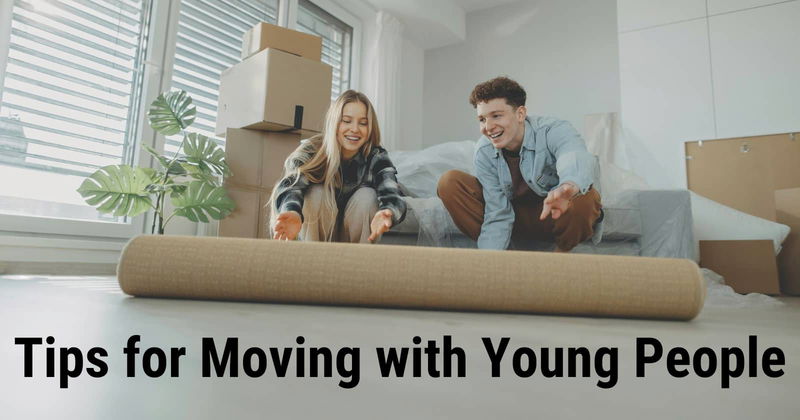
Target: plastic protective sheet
<point>604,138</point>
<point>649,223</point>
<point>428,223</point>
<point>419,171</point>
<point>434,225</point>
<point>666,223</point>
<point>721,295</point>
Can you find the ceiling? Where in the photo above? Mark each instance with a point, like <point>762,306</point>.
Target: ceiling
<point>474,5</point>
<point>433,24</point>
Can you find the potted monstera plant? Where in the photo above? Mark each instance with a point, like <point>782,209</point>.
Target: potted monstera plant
<point>191,179</point>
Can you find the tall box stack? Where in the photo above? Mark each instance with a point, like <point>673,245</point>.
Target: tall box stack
<point>256,159</point>
<point>271,100</point>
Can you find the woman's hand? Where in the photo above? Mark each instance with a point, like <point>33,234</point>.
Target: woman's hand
<point>287,225</point>
<point>381,223</point>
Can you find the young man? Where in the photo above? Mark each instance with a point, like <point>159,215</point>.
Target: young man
<point>535,176</point>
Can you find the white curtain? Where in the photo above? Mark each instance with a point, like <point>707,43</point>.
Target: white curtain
<point>382,85</point>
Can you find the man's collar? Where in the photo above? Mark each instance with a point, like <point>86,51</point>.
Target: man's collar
<point>529,141</point>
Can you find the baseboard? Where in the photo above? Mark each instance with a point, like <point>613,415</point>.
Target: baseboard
<point>58,268</point>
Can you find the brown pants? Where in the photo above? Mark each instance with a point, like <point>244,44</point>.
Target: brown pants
<point>462,195</point>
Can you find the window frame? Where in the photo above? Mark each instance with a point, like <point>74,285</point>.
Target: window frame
<point>24,224</point>
<point>158,69</point>
<point>6,9</point>
<point>348,18</point>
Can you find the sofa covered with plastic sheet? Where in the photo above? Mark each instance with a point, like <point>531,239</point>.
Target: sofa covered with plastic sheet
<point>655,223</point>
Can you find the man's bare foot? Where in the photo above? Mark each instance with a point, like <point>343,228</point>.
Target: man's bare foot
<point>559,250</point>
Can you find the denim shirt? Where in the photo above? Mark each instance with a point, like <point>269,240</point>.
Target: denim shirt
<point>552,153</point>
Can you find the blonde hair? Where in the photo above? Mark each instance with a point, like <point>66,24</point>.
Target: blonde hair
<point>323,165</point>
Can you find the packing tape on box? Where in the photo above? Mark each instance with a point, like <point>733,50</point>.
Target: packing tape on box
<point>410,277</point>
<point>298,121</point>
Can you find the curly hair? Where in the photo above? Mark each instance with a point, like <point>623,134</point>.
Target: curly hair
<point>499,87</point>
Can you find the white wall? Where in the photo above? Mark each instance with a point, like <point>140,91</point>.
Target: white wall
<point>705,69</point>
<point>563,52</point>
<point>410,98</point>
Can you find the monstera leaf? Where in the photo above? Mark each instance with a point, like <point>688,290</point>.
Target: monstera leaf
<point>171,112</point>
<point>118,189</point>
<point>175,167</point>
<point>201,200</point>
<point>202,175</point>
<point>165,188</point>
<point>205,154</point>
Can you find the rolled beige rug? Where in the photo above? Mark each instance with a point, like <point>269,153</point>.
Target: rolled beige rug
<point>410,277</point>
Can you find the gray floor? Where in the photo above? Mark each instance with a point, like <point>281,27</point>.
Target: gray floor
<point>91,311</point>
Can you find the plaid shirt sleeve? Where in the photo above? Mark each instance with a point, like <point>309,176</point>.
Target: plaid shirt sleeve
<point>384,176</point>
<point>292,187</point>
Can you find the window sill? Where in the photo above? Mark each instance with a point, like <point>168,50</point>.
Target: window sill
<point>15,249</point>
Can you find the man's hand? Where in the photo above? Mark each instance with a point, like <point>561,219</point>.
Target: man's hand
<point>287,225</point>
<point>381,223</point>
<point>557,201</point>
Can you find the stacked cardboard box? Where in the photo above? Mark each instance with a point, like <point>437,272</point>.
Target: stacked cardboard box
<point>256,159</point>
<point>265,35</point>
<point>268,102</point>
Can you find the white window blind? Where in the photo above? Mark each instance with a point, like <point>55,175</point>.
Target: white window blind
<point>70,100</point>
<point>210,41</point>
<point>336,41</point>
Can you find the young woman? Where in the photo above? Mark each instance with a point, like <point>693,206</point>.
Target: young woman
<point>339,185</point>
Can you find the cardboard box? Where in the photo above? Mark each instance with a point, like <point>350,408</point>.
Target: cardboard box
<point>243,221</point>
<point>746,173</point>
<point>265,35</point>
<point>747,266</point>
<point>787,211</point>
<point>743,173</point>
<point>256,158</point>
<point>246,220</point>
<point>274,91</point>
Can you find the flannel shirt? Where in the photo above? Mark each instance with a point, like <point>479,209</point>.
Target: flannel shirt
<point>375,171</point>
